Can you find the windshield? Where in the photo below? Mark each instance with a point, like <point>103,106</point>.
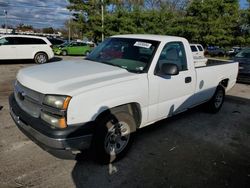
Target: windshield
<point>134,55</point>
<point>63,44</point>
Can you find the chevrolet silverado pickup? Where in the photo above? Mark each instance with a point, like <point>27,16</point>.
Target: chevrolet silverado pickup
<point>126,83</point>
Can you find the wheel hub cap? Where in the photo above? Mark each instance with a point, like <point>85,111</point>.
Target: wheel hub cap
<point>41,59</point>
<point>117,138</point>
<point>218,99</point>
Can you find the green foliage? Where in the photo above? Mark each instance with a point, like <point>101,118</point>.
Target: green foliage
<point>210,18</point>
<point>24,27</point>
<point>48,30</point>
<point>210,22</point>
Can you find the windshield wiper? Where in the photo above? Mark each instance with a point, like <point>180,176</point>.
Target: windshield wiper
<point>115,65</point>
<point>135,71</point>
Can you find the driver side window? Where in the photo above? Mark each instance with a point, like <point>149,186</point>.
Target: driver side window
<point>173,52</point>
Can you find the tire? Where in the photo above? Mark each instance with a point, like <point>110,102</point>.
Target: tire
<point>113,136</point>
<point>86,53</point>
<point>216,102</point>
<point>64,53</point>
<point>41,58</point>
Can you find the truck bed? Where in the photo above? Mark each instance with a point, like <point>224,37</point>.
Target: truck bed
<point>211,75</point>
<point>214,62</point>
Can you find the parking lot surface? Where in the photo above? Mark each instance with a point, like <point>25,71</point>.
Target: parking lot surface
<point>193,149</point>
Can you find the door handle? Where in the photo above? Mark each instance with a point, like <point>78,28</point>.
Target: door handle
<point>188,79</point>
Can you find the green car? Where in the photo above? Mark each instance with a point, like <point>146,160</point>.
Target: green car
<point>74,48</point>
<point>57,48</point>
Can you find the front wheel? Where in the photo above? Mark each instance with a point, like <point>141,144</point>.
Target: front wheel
<point>64,53</point>
<point>113,136</point>
<point>215,103</point>
<point>41,58</point>
<point>86,53</point>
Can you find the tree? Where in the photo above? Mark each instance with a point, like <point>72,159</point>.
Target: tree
<point>48,30</point>
<point>24,27</point>
<point>210,22</point>
<point>214,21</point>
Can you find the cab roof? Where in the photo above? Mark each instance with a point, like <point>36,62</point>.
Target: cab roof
<point>150,37</point>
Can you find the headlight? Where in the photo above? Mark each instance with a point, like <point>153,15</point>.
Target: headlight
<point>57,101</point>
<point>55,122</point>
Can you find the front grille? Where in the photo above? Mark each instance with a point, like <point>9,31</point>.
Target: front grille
<point>30,101</point>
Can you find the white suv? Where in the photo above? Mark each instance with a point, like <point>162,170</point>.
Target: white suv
<point>198,54</point>
<point>197,50</point>
<point>25,47</point>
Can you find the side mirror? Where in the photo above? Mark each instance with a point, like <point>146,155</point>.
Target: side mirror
<point>169,69</point>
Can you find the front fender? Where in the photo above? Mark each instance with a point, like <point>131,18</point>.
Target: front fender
<point>87,106</point>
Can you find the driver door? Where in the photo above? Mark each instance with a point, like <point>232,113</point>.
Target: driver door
<point>72,49</point>
<point>170,93</point>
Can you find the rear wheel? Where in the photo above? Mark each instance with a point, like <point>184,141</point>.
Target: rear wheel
<point>41,58</point>
<point>113,136</point>
<point>216,102</point>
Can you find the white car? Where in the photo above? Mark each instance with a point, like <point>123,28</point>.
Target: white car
<point>126,83</point>
<point>25,47</point>
<point>234,51</point>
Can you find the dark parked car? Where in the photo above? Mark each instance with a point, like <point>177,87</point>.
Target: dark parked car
<point>243,57</point>
<point>233,51</point>
<point>215,51</point>
<point>56,41</point>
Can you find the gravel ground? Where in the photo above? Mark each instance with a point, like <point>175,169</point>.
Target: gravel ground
<point>193,149</point>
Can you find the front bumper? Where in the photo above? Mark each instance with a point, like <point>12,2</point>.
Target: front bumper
<point>63,144</point>
<point>57,52</point>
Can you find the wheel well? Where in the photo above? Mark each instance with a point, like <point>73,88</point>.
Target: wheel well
<point>224,83</point>
<point>41,52</point>
<point>131,108</point>
<point>64,51</point>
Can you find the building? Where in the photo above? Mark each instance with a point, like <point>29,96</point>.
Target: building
<point>3,31</point>
<point>28,32</point>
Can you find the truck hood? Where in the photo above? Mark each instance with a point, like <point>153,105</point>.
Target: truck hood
<point>71,77</point>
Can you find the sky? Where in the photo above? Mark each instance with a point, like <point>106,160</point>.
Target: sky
<point>41,13</point>
<point>243,3</point>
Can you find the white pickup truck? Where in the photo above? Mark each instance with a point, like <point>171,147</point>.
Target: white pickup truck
<point>126,83</point>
